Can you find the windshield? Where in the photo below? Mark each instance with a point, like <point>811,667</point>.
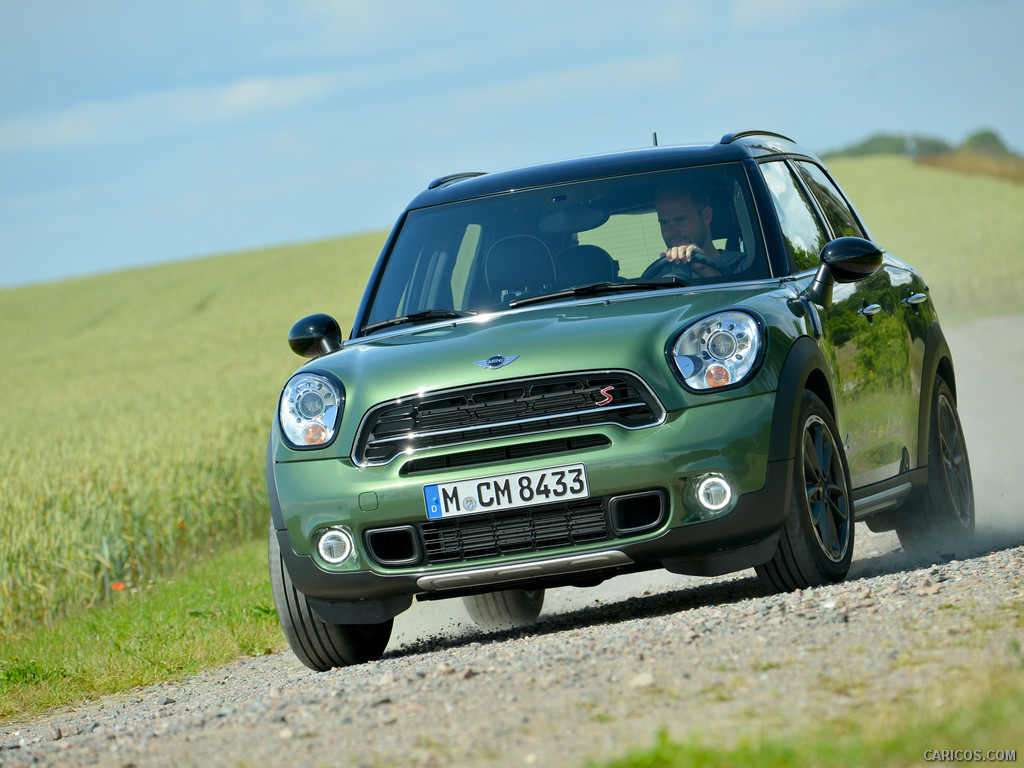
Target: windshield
<point>484,254</point>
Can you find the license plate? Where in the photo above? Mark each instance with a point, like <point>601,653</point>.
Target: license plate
<point>513,490</point>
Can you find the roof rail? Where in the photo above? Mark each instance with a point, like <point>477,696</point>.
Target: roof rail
<point>729,138</point>
<point>454,177</point>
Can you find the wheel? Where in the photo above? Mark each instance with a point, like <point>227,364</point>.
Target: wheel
<point>816,543</point>
<point>318,645</point>
<point>501,610</point>
<point>940,515</point>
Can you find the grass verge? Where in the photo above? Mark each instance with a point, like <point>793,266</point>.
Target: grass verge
<point>204,617</point>
<point>983,726</point>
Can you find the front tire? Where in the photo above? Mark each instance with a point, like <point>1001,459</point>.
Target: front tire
<point>505,609</point>
<point>317,644</point>
<point>816,543</point>
<point>940,516</point>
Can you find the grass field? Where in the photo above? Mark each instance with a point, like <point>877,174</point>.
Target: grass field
<point>964,232</point>
<point>135,408</point>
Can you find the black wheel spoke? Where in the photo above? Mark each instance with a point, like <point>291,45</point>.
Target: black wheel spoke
<point>810,461</point>
<point>825,490</point>
<point>819,452</point>
<point>954,461</point>
<point>837,499</point>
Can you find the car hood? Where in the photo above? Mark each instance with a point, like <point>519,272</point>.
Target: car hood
<point>609,333</point>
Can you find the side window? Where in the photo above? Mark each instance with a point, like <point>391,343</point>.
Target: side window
<point>830,200</point>
<point>804,234</point>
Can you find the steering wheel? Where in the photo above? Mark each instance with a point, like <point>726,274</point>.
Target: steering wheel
<point>663,267</point>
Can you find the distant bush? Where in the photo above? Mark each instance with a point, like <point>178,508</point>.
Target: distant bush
<point>895,144</point>
<point>983,142</point>
<point>987,143</point>
<point>983,152</point>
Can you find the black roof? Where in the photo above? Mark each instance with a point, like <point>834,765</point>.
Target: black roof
<point>731,147</point>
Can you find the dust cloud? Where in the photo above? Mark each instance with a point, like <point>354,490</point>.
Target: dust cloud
<point>988,356</point>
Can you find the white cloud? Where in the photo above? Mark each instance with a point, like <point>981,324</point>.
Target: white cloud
<point>163,113</point>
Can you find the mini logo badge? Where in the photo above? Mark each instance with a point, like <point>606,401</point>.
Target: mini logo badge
<point>496,361</point>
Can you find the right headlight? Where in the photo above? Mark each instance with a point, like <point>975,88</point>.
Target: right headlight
<point>310,410</point>
<point>718,351</point>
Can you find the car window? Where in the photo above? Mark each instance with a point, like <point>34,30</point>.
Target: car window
<point>801,228</point>
<point>830,201</point>
<point>480,254</point>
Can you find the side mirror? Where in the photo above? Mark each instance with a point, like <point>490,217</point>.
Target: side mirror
<point>314,336</point>
<point>844,260</point>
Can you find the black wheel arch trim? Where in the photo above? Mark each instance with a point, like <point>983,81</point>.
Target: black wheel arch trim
<point>276,516</point>
<point>805,368</point>
<point>937,361</point>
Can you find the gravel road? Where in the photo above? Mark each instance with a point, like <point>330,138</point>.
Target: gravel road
<point>607,668</point>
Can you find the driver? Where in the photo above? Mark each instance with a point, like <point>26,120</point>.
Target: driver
<point>685,219</point>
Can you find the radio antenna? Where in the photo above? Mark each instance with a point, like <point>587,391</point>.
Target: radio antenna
<point>655,138</point>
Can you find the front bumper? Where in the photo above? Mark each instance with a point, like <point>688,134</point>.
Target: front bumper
<point>729,437</point>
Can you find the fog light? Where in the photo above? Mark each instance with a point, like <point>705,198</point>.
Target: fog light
<point>334,545</point>
<point>714,493</point>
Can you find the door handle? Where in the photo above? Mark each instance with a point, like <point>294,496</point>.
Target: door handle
<point>915,298</point>
<point>870,310</point>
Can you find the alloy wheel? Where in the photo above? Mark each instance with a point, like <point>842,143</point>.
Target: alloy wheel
<point>828,498</point>
<point>954,460</point>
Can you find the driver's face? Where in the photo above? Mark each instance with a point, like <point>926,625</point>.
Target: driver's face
<point>681,222</point>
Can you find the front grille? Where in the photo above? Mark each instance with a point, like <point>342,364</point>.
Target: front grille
<point>540,528</point>
<point>509,408</point>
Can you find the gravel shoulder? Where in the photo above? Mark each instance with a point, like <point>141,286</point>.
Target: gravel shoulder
<point>606,669</point>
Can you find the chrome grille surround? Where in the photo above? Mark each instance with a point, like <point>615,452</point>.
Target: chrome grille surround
<point>509,408</point>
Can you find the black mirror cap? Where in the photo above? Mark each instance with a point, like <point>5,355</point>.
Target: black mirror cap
<point>850,259</point>
<point>314,336</point>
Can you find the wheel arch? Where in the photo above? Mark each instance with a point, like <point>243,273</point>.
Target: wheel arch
<point>276,516</point>
<point>938,361</point>
<point>805,368</point>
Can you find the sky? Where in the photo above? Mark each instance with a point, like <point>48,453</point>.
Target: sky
<point>134,133</point>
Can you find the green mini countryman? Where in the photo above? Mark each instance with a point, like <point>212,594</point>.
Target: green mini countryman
<point>692,358</point>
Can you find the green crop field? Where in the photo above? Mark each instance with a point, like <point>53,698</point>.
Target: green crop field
<point>134,407</point>
<point>965,233</point>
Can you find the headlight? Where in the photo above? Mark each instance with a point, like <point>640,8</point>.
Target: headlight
<point>718,351</point>
<point>310,409</point>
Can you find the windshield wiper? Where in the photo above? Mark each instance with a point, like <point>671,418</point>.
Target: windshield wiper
<point>595,289</point>
<point>417,317</point>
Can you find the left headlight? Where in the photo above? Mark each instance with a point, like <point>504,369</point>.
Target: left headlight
<point>718,351</point>
<point>310,410</point>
